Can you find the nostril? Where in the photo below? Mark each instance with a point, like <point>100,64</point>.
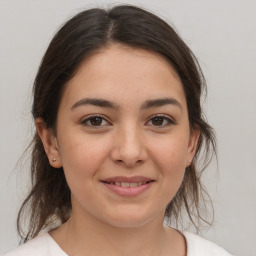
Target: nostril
<point>130,163</point>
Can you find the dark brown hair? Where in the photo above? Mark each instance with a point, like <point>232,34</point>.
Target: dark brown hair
<point>48,204</point>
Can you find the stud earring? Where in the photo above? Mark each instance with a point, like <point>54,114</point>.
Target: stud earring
<point>54,160</point>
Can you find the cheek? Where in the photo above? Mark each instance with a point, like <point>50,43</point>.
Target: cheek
<point>170,153</point>
<point>170,158</point>
<point>81,158</point>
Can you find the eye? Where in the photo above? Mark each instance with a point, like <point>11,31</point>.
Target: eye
<point>95,121</point>
<point>160,121</point>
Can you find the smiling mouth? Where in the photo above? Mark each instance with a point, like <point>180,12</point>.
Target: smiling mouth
<point>128,184</point>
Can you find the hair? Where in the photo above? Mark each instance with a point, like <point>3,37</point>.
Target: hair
<point>48,203</point>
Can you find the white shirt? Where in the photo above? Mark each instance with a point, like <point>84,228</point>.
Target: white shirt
<point>45,245</point>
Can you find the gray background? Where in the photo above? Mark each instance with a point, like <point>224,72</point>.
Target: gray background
<point>222,34</point>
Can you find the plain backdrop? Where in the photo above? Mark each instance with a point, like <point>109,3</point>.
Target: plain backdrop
<point>222,34</point>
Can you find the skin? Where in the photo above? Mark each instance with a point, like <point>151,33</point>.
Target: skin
<point>127,140</point>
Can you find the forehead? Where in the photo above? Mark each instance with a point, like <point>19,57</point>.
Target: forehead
<point>123,74</point>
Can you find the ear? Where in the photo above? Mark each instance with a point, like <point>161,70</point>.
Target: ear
<point>192,146</point>
<point>50,143</point>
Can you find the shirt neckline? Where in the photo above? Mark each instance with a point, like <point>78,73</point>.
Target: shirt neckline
<point>55,248</point>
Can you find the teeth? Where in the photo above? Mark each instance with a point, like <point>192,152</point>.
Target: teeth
<point>129,185</point>
<point>125,184</point>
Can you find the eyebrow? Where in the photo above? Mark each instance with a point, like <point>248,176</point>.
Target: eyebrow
<point>108,104</point>
<point>160,102</point>
<point>95,102</point>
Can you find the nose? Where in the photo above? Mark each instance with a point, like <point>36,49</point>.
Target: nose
<point>129,147</point>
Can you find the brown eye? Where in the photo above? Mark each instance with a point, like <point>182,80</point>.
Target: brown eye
<point>95,121</point>
<point>158,120</point>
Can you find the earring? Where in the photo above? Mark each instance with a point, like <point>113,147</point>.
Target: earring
<point>190,161</point>
<point>54,160</point>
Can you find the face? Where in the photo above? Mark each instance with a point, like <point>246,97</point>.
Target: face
<point>123,136</point>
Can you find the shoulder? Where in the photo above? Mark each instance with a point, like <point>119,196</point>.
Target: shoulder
<point>198,246</point>
<point>42,245</point>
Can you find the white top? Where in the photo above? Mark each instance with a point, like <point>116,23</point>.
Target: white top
<point>45,245</point>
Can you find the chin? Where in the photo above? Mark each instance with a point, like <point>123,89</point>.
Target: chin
<point>131,223</point>
<point>130,219</point>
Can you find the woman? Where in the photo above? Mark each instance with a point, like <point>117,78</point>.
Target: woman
<point>119,133</point>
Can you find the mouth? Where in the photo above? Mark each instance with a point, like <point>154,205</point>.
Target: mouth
<point>128,186</point>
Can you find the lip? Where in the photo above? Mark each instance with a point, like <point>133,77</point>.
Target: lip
<point>134,191</point>
<point>127,179</point>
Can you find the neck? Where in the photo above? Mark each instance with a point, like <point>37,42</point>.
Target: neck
<point>95,237</point>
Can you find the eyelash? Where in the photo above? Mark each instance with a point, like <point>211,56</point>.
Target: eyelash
<point>86,121</point>
<point>169,120</point>
<point>90,118</point>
